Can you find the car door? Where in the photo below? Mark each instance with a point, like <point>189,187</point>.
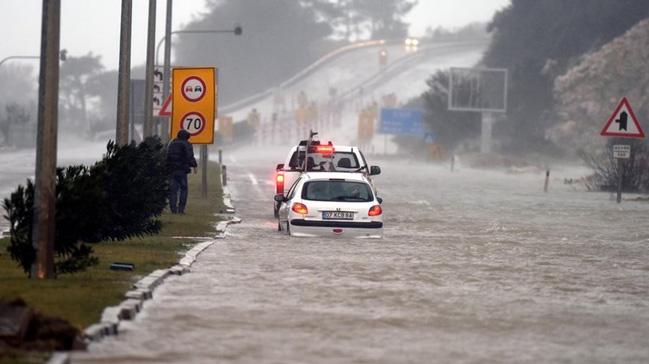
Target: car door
<point>286,205</point>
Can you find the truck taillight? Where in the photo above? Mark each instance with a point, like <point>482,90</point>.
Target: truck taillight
<point>324,149</point>
<point>375,210</point>
<point>300,208</point>
<point>279,183</point>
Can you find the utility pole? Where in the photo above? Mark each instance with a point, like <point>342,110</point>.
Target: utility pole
<point>45,176</point>
<point>148,99</point>
<point>124,82</point>
<point>167,67</point>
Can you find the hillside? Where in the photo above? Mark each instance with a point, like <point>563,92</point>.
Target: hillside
<point>588,92</point>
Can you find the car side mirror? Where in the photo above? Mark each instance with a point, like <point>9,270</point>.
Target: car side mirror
<point>375,170</point>
<point>279,167</point>
<point>279,197</point>
<point>379,199</point>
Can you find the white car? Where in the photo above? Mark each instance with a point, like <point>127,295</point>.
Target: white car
<point>321,158</point>
<point>331,204</point>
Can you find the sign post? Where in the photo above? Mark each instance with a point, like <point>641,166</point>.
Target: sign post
<point>622,124</point>
<point>193,107</point>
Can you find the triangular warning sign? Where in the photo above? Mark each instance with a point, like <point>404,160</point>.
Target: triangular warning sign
<point>623,123</point>
<point>165,110</point>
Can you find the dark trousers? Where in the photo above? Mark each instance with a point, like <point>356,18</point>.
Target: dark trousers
<point>178,184</point>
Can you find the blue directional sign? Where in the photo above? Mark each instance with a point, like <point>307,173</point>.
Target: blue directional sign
<point>401,122</point>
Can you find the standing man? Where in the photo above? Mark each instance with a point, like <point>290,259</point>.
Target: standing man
<point>180,161</point>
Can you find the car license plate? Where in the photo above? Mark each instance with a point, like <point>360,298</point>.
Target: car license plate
<point>337,215</point>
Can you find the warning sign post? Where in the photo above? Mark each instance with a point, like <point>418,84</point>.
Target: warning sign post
<point>622,124</point>
<point>194,94</point>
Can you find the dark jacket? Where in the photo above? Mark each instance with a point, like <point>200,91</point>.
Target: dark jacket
<point>180,156</point>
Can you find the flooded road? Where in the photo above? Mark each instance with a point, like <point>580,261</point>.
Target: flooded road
<point>476,266</point>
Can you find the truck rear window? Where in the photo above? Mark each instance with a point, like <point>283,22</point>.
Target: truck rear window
<point>336,190</point>
<point>339,161</point>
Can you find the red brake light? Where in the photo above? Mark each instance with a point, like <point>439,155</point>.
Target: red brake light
<point>279,183</point>
<point>326,149</point>
<point>375,210</point>
<point>300,208</point>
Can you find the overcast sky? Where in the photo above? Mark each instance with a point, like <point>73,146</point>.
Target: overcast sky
<point>93,25</point>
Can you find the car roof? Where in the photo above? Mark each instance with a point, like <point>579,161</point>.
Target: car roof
<point>348,176</point>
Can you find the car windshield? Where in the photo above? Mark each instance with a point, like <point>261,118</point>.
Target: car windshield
<point>338,162</point>
<point>337,190</point>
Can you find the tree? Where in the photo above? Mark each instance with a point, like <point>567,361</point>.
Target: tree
<point>17,94</point>
<point>276,43</point>
<point>537,41</point>
<point>452,127</point>
<point>74,76</point>
<point>101,88</point>
<point>17,83</point>
<point>385,17</point>
<point>362,19</point>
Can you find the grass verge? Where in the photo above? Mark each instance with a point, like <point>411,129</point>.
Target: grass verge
<point>81,297</point>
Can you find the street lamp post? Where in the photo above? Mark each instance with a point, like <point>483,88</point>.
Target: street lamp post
<point>63,55</point>
<point>147,128</point>
<point>167,68</point>
<point>238,30</point>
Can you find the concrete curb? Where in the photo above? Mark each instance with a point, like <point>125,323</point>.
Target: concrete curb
<point>227,200</point>
<point>143,289</point>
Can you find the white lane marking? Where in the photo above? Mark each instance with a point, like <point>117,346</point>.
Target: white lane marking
<point>253,179</point>
<point>255,184</point>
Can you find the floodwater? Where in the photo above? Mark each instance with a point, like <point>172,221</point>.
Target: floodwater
<point>475,267</point>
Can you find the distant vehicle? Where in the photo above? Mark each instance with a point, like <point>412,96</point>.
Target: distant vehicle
<point>383,57</point>
<point>320,158</point>
<point>331,204</point>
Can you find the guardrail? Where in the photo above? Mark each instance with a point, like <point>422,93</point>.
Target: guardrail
<point>300,75</point>
<point>287,127</point>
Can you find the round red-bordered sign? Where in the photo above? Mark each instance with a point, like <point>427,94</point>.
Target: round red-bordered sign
<point>193,122</point>
<point>193,89</point>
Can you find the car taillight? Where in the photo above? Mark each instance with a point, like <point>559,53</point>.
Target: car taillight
<point>375,210</point>
<point>300,208</point>
<point>279,183</point>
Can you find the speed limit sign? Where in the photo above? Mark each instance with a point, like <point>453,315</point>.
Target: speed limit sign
<point>193,122</point>
<point>194,93</point>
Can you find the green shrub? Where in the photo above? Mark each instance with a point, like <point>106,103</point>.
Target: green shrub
<point>119,197</point>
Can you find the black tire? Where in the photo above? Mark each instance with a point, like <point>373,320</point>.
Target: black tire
<point>279,225</point>
<point>288,228</point>
<point>276,211</point>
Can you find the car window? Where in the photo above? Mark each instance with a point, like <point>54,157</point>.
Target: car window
<point>296,160</point>
<point>339,161</point>
<point>344,161</point>
<point>364,160</point>
<point>337,190</point>
<point>291,191</point>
